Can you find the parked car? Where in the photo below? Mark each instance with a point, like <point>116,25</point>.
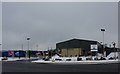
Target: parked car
<point>96,58</point>
<point>58,59</point>
<point>88,58</point>
<point>68,59</point>
<point>4,58</point>
<point>79,59</point>
<point>46,59</point>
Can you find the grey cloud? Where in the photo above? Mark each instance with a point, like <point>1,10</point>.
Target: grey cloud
<point>48,23</point>
<point>0,23</point>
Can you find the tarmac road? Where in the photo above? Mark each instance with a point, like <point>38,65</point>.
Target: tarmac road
<point>22,66</point>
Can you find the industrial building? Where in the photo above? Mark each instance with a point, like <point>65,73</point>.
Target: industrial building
<point>77,47</point>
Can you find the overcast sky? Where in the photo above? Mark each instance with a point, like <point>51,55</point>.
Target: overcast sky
<point>49,23</point>
<point>0,23</point>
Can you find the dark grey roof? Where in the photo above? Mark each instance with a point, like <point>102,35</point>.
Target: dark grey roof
<point>77,40</point>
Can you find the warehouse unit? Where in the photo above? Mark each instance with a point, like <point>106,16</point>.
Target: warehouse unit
<point>77,47</point>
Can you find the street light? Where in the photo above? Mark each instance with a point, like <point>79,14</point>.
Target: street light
<point>103,30</point>
<point>28,39</point>
<point>114,50</point>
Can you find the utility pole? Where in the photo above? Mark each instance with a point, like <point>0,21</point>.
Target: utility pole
<point>28,39</point>
<point>103,30</point>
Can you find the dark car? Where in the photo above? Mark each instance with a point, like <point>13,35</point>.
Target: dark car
<point>79,59</point>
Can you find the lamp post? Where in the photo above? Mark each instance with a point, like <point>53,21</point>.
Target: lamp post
<point>28,39</point>
<point>114,50</point>
<point>103,30</point>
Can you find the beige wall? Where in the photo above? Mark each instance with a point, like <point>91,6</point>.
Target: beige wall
<point>71,51</point>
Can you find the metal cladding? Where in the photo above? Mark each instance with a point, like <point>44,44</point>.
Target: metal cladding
<point>77,43</point>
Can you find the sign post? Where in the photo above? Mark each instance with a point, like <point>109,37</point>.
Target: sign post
<point>94,48</point>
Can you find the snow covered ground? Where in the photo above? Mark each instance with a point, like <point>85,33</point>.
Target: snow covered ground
<point>16,59</point>
<point>78,62</point>
<point>113,54</point>
<point>0,58</point>
<point>74,60</point>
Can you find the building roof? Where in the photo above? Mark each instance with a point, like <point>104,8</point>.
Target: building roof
<point>77,40</point>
